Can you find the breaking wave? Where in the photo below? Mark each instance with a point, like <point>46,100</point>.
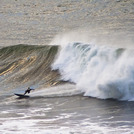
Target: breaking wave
<point>98,71</point>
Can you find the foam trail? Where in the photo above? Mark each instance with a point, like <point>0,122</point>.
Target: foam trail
<point>60,90</point>
<point>98,71</point>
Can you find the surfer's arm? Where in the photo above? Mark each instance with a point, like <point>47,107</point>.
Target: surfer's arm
<point>32,89</point>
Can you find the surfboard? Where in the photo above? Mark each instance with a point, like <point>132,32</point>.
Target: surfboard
<point>22,95</point>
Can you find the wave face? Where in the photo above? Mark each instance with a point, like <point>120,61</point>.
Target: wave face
<point>98,71</point>
<point>27,65</point>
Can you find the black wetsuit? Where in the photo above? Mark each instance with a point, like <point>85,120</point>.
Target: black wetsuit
<point>27,91</point>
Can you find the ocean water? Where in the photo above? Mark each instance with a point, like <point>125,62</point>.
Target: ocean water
<point>85,89</point>
<point>79,58</point>
<point>66,114</point>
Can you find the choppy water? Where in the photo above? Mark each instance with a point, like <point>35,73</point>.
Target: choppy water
<point>66,115</point>
<point>81,66</point>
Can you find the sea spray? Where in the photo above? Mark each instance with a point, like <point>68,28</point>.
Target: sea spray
<point>98,71</point>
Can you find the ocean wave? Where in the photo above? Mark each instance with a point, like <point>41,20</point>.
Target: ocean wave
<point>98,71</point>
<point>27,65</point>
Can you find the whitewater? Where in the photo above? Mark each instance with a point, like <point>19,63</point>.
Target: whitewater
<point>98,71</point>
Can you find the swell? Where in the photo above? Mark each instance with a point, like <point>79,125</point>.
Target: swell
<point>27,65</point>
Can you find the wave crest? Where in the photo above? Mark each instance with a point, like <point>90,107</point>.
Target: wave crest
<point>98,71</point>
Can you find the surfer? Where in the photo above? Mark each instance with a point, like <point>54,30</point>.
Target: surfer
<point>28,90</point>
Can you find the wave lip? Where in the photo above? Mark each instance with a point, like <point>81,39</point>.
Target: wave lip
<point>98,71</point>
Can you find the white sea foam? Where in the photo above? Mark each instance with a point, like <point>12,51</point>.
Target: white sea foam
<point>98,71</point>
<point>85,127</point>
